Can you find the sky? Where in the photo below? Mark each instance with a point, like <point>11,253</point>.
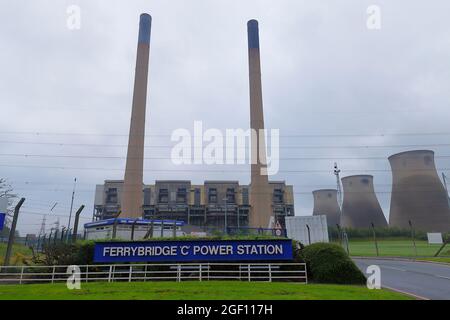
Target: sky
<point>337,90</point>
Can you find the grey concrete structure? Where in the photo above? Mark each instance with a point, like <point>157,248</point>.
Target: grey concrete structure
<point>360,206</point>
<point>198,205</point>
<point>326,203</point>
<point>132,188</point>
<point>260,201</point>
<point>418,194</point>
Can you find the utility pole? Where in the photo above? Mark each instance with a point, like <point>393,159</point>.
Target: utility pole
<point>337,172</point>
<point>444,177</point>
<point>13,231</point>
<point>71,203</point>
<point>342,234</point>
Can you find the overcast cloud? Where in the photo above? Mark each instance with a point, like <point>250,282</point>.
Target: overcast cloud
<point>325,76</point>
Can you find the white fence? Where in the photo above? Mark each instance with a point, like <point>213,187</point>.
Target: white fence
<point>287,272</point>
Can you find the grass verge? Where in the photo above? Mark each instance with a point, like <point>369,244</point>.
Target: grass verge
<point>212,290</point>
<point>396,248</point>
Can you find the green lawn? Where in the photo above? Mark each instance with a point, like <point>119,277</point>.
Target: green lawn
<point>398,248</point>
<point>212,290</point>
<point>439,259</point>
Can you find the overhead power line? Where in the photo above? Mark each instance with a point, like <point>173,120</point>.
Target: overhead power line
<point>99,145</point>
<point>24,155</point>
<point>306,135</point>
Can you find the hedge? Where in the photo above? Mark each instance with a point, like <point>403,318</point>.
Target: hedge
<point>329,263</point>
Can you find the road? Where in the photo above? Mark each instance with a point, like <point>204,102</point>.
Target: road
<point>425,280</point>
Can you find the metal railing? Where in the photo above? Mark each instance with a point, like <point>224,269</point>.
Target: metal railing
<point>284,272</point>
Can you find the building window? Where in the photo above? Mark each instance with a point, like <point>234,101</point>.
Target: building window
<point>197,197</point>
<point>245,200</point>
<point>278,196</point>
<point>163,196</point>
<point>111,195</point>
<point>147,196</point>
<point>231,196</point>
<point>212,195</point>
<point>181,195</point>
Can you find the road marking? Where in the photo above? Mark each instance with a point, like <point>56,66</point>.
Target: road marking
<point>406,293</point>
<point>443,277</point>
<point>393,268</point>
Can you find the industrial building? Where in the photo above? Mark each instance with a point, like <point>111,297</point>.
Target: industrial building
<point>132,229</point>
<point>326,203</point>
<point>199,205</point>
<point>360,207</point>
<point>418,195</point>
<point>215,203</point>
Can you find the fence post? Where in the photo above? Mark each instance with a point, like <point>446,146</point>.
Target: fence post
<point>21,275</point>
<point>75,224</point>
<point>413,236</point>
<point>375,239</point>
<point>174,232</point>
<point>133,226</point>
<point>145,274</point>
<point>309,234</point>
<point>114,233</point>
<point>12,232</point>
<point>87,273</point>
<point>200,273</point>
<point>270,273</point>
<point>109,275</point>
<point>130,273</point>
<point>53,274</point>
<point>249,273</point>
<point>306,273</point>
<point>178,273</point>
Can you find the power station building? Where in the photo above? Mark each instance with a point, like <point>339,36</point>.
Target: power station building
<point>326,203</point>
<point>258,205</point>
<point>418,194</point>
<point>360,207</point>
<point>199,205</point>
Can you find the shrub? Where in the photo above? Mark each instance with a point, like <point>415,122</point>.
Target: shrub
<point>79,253</point>
<point>329,263</point>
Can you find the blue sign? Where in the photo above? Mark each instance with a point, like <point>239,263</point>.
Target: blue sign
<point>195,250</point>
<point>2,220</point>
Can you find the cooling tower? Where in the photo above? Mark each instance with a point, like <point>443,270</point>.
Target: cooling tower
<point>260,195</point>
<point>360,207</point>
<point>133,182</point>
<point>417,193</point>
<point>325,203</point>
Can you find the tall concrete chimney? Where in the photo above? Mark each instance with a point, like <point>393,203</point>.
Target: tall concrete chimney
<point>132,189</point>
<point>260,194</point>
